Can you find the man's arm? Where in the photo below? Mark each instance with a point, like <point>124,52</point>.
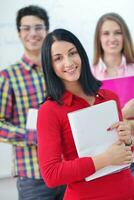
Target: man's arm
<point>10,133</point>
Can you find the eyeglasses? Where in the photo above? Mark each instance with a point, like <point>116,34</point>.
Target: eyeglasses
<point>27,28</point>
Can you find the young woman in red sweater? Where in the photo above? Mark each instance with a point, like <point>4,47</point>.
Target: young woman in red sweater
<point>71,86</point>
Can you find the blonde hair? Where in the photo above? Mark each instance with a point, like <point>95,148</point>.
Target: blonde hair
<point>128,49</point>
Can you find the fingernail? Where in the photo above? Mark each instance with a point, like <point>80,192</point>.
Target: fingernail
<point>108,129</point>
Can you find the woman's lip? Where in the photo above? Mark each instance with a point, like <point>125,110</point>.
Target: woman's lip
<point>71,70</point>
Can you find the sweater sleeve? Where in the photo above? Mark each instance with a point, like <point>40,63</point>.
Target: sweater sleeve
<point>55,170</point>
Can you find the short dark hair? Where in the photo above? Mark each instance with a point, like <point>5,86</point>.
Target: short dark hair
<point>34,11</point>
<point>54,85</point>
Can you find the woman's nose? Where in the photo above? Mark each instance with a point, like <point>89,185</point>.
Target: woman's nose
<point>68,62</point>
<point>112,37</point>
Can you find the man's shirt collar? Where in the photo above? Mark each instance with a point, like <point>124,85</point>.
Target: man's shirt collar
<point>27,63</point>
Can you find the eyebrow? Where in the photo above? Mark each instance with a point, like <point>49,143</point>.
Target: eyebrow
<point>117,29</point>
<point>72,49</point>
<point>32,25</point>
<point>68,51</point>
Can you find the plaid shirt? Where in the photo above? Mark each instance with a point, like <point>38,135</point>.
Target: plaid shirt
<point>22,86</point>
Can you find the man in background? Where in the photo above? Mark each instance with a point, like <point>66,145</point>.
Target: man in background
<point>22,87</point>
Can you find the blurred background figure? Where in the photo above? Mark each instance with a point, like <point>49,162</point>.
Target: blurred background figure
<point>113,48</point>
<point>22,87</point>
<point>114,57</point>
<point>128,113</point>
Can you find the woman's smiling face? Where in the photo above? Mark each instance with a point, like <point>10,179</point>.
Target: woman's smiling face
<point>66,61</point>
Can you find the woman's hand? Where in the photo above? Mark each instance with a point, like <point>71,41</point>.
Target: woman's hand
<point>123,129</point>
<point>119,154</point>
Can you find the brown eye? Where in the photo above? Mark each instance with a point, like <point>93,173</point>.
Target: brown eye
<point>118,33</point>
<point>73,53</point>
<point>105,33</point>
<point>57,59</point>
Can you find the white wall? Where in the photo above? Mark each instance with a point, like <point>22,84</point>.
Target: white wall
<point>79,16</point>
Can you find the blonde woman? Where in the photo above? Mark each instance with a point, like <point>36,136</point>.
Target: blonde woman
<point>114,56</point>
<point>113,48</point>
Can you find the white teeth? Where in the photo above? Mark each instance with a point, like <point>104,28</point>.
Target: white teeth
<point>113,45</point>
<point>33,41</point>
<point>71,70</point>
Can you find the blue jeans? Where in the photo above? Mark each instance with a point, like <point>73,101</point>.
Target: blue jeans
<point>132,168</point>
<point>34,189</point>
